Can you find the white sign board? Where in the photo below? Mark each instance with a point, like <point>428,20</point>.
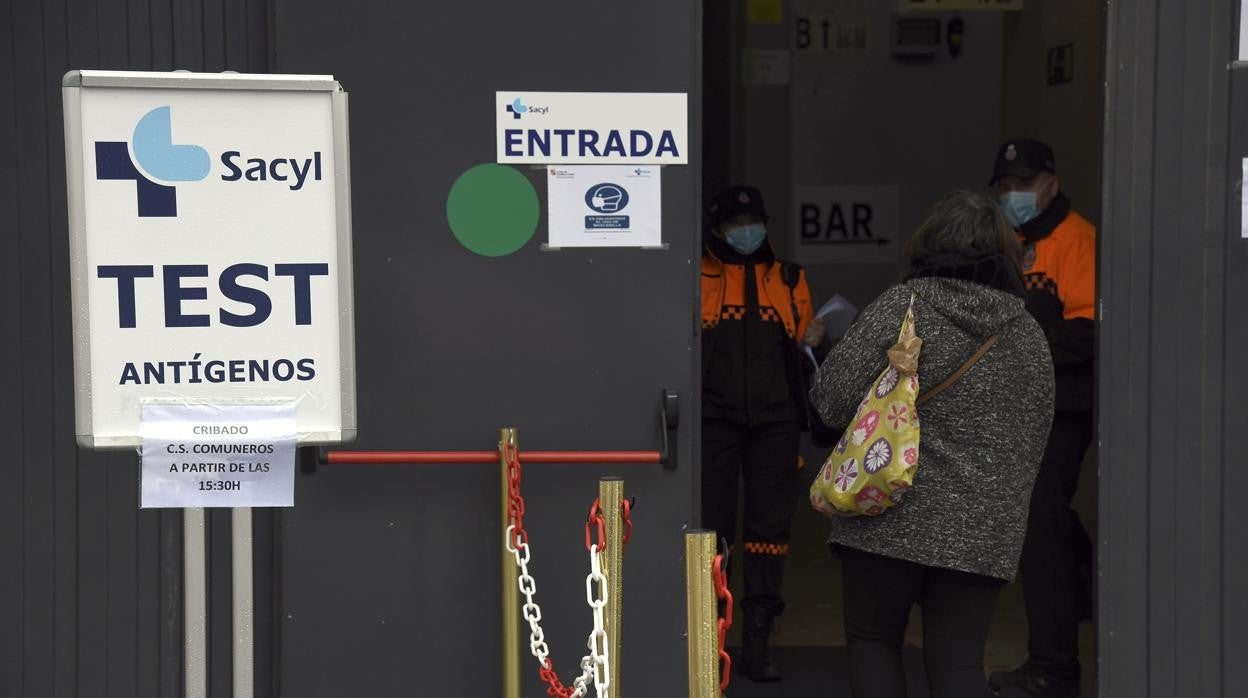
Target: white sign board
<point>592,128</point>
<point>604,206</point>
<point>845,224</point>
<point>203,455</point>
<point>210,243</point>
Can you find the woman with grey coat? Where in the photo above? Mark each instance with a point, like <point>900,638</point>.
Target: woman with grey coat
<point>956,538</point>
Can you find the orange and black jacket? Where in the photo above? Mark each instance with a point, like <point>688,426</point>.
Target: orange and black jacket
<point>753,312</point>
<point>1059,269</point>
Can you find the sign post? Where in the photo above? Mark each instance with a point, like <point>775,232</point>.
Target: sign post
<point>210,239</point>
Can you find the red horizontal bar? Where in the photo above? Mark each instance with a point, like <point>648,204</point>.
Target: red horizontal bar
<point>455,457</point>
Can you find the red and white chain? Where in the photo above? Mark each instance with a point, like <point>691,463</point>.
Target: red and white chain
<point>599,653</point>
<point>597,664</point>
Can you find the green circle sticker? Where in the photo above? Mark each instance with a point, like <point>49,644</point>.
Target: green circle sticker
<point>493,210</point>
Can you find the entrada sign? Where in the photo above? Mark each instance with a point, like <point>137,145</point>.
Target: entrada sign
<point>592,128</point>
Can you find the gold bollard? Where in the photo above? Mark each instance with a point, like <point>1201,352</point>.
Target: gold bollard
<point>703,627</point>
<point>510,583</point>
<point>610,498</point>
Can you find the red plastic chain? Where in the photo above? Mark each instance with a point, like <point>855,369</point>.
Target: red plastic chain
<point>515,508</point>
<point>627,505</point>
<point>725,622</point>
<point>595,520</point>
<point>555,687</point>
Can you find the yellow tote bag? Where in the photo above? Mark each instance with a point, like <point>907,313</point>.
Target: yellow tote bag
<point>873,465</point>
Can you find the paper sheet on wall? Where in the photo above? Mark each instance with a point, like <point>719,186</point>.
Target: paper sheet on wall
<point>604,206</point>
<point>1243,31</point>
<point>1243,201</point>
<point>206,455</point>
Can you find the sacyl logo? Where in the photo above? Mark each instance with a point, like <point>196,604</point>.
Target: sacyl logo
<point>158,158</point>
<point>517,107</point>
<point>158,161</point>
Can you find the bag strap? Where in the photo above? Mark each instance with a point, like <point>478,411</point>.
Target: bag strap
<point>960,372</point>
<point>791,274</point>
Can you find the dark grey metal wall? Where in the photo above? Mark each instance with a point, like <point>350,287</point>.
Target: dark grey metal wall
<point>89,585</point>
<point>1174,390</point>
<point>391,573</point>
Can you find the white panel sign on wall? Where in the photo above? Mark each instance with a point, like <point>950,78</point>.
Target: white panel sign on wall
<point>604,206</point>
<point>1243,31</point>
<point>592,128</point>
<point>845,224</point>
<point>211,249</point>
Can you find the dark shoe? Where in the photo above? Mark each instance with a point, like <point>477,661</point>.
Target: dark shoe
<point>1028,681</point>
<point>755,661</point>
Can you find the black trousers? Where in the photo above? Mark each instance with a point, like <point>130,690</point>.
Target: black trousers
<point>1056,545</point>
<point>957,614</point>
<point>765,456</point>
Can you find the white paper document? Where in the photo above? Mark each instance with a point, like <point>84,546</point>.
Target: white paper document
<point>837,315</point>
<point>206,455</point>
<point>1243,197</point>
<point>604,206</point>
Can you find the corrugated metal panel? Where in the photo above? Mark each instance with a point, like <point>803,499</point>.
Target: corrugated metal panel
<point>91,607</point>
<point>1168,385</point>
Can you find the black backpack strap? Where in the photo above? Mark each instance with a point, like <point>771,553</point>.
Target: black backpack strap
<point>790,273</point>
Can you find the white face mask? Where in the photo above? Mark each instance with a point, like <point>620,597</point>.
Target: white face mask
<point>1020,207</point>
<point>746,238</point>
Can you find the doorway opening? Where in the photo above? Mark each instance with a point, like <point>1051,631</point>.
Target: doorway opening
<point>837,104</point>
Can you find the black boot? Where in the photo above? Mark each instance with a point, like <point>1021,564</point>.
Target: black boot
<point>1029,681</point>
<point>755,661</point>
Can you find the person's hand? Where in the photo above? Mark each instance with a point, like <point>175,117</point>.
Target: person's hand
<point>814,333</point>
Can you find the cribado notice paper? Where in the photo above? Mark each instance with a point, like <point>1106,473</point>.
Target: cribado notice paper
<point>211,455</point>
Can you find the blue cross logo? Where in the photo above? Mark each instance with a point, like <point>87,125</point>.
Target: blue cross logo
<point>158,160</point>
<point>516,108</point>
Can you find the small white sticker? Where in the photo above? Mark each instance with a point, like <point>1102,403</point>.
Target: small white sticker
<point>204,455</point>
<point>766,67</point>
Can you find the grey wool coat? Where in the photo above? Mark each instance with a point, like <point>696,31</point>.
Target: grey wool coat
<point>982,439</point>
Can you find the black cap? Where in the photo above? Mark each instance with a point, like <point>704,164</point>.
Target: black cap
<point>1023,158</point>
<point>733,202</point>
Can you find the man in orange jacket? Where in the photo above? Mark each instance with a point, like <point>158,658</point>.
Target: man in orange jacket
<point>756,314</point>
<point>1059,267</point>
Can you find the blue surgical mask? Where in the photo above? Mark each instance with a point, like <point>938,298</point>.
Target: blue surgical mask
<point>1019,207</point>
<point>746,238</point>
